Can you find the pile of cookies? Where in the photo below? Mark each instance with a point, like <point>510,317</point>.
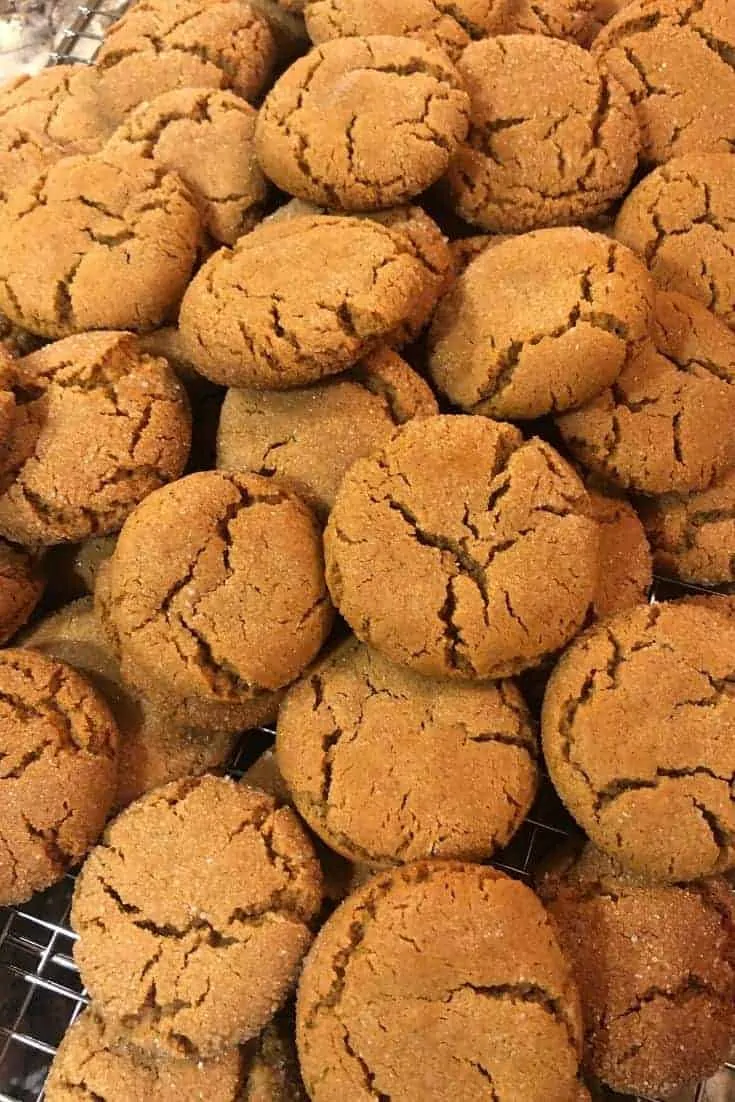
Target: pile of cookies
<point>360,363</point>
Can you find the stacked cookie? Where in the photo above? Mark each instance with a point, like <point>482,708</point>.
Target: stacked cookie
<point>390,336</point>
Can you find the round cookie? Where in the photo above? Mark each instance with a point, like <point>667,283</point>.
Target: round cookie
<point>539,323</point>
<point>436,543</point>
<point>693,536</point>
<point>215,591</point>
<point>309,437</point>
<point>655,967</point>
<point>90,1063</point>
<point>97,242</point>
<point>447,981</point>
<point>60,104</point>
<point>214,939</point>
<point>626,570</point>
<point>58,770</point>
<point>206,136</point>
<point>61,485</point>
<point>681,220</point>
<point>540,152</point>
<point>362,123</point>
<point>245,321</point>
<point>638,728</point>
<point>455,778</point>
<point>152,750</point>
<point>666,423</point>
<point>161,45</point>
<point>22,582</point>
<point>673,59</point>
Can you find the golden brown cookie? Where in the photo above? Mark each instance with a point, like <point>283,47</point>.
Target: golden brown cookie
<point>673,57</point>
<point>681,220</point>
<point>436,544</point>
<point>206,136</point>
<point>638,729</point>
<point>447,982</point>
<point>539,324</point>
<point>553,139</point>
<point>61,484</point>
<point>90,1063</point>
<point>693,535</point>
<point>213,941</point>
<point>387,766</point>
<point>246,321</point>
<point>362,123</point>
<point>626,571</point>
<point>58,770</point>
<point>97,242</point>
<point>22,582</point>
<point>160,45</point>
<point>309,437</point>
<point>665,424</point>
<point>655,967</point>
<point>215,592</point>
<point>24,154</point>
<point>153,750</point>
<point>60,104</point>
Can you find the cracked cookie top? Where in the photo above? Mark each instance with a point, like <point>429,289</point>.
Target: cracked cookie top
<point>24,154</point>
<point>308,438</point>
<point>638,728</point>
<point>60,484</point>
<point>211,888</point>
<point>539,323</point>
<point>90,1063</point>
<point>665,425</point>
<point>58,771</point>
<point>655,967</point>
<point>388,766</point>
<point>681,220</point>
<point>216,589</point>
<point>160,45</point>
<point>626,570</point>
<point>436,544</point>
<point>60,105</point>
<point>153,750</point>
<point>22,582</point>
<point>540,151</point>
<point>404,994</point>
<point>363,123</point>
<point>693,535</point>
<point>206,136</point>
<point>674,58</point>
<point>246,321</point>
<point>105,241</point>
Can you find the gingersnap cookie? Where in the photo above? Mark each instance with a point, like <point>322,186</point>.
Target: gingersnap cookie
<point>540,151</point>
<point>673,59</point>
<point>436,543</point>
<point>214,940</point>
<point>215,592</point>
<point>246,321</point>
<point>206,136</point>
<point>161,45</point>
<point>665,424</point>
<point>61,105</point>
<point>308,438</point>
<point>693,535</point>
<point>626,570</point>
<point>153,749</point>
<point>362,123</point>
<point>92,1063</point>
<point>61,485</point>
<point>96,242</point>
<point>655,967</point>
<point>432,1006</point>
<point>58,770</point>
<point>681,220</point>
<point>540,323</point>
<point>22,582</point>
<point>637,723</point>
<point>456,777</point>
